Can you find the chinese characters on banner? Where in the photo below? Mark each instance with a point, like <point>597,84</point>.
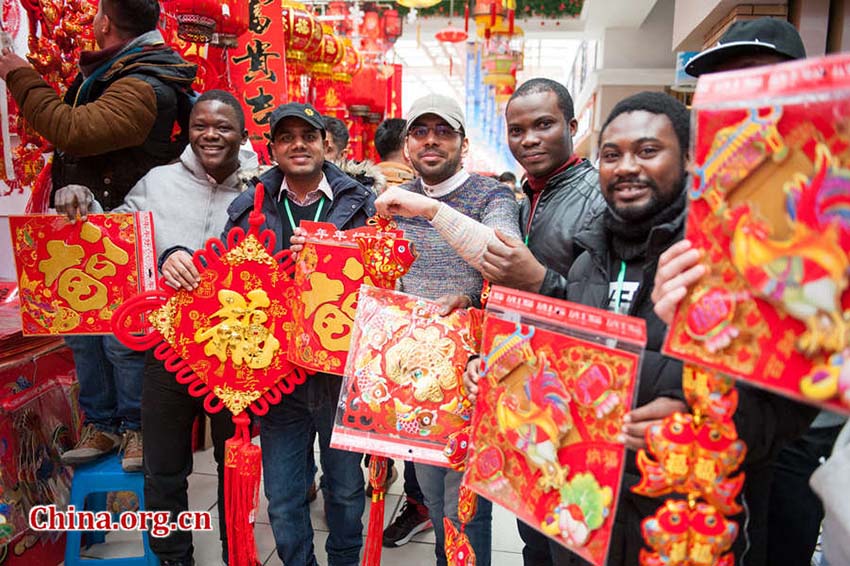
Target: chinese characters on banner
<point>769,201</point>
<point>402,393</point>
<point>558,379</point>
<point>72,277</point>
<point>257,69</point>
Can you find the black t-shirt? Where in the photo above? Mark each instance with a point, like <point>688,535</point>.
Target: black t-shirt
<point>626,278</point>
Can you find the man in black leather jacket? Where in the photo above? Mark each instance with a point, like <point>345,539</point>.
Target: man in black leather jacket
<point>561,188</point>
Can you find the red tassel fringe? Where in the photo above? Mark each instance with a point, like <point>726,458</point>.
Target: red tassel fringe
<point>375,532</point>
<point>242,465</point>
<point>40,196</point>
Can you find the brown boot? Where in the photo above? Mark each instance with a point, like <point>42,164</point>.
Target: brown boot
<point>131,448</point>
<point>93,444</point>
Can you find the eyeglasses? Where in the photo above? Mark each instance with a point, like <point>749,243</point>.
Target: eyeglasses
<point>441,132</point>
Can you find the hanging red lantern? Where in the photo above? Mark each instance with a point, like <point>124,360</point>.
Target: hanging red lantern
<point>302,33</point>
<point>487,13</point>
<point>451,34</point>
<point>371,26</point>
<point>330,52</point>
<point>392,25</point>
<point>231,22</point>
<point>302,37</point>
<point>363,88</point>
<point>196,19</point>
<point>350,63</point>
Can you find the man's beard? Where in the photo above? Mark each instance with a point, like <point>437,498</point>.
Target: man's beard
<point>652,207</point>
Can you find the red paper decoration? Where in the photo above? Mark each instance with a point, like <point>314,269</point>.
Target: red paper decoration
<point>451,35</point>
<point>231,22</point>
<point>768,206</point>
<point>196,19</point>
<point>73,277</point>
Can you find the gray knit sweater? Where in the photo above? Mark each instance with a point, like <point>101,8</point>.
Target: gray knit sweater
<point>439,270</point>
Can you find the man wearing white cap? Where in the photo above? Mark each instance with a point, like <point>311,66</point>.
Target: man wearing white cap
<point>435,142</point>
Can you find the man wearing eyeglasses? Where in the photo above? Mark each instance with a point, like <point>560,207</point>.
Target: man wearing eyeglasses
<point>304,186</point>
<point>435,143</point>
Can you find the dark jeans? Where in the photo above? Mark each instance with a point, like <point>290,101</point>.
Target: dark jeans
<point>440,487</point>
<point>411,484</point>
<point>795,512</point>
<point>168,413</point>
<point>110,376</point>
<point>286,434</point>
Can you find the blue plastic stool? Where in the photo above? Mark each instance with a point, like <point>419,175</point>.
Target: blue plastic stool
<point>92,481</point>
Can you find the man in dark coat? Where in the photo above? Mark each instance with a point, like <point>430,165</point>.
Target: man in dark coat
<point>304,186</point>
<point>642,178</point>
<point>561,188</point>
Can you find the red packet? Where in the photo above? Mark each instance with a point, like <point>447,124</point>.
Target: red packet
<point>769,208</point>
<point>559,377</point>
<point>402,392</point>
<point>328,275</point>
<point>72,277</point>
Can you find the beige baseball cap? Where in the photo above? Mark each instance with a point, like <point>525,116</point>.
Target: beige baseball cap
<point>446,108</point>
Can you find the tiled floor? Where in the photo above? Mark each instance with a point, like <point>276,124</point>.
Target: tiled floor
<point>202,496</point>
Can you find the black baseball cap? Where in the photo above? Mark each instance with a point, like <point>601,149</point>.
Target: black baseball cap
<point>764,35</point>
<point>297,110</point>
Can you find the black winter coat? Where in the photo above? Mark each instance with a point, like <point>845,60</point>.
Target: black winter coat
<point>352,205</point>
<point>765,421</point>
<point>570,201</point>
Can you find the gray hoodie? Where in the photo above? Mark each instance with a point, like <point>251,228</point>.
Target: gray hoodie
<point>188,206</point>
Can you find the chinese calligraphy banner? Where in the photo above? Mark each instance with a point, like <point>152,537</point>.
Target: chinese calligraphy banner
<point>72,277</point>
<point>402,393</point>
<point>769,209</point>
<point>328,275</point>
<point>257,69</point>
<point>558,379</point>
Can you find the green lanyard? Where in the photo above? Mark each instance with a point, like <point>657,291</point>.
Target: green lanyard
<point>289,211</point>
<point>620,279</point>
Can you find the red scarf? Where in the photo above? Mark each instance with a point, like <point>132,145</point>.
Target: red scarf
<point>537,184</point>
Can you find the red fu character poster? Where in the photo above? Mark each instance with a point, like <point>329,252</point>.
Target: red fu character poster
<point>72,277</point>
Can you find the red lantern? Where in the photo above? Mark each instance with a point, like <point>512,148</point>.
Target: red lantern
<point>302,33</point>
<point>392,25</point>
<point>487,13</point>
<point>371,26</point>
<point>363,87</point>
<point>350,63</point>
<point>303,38</point>
<point>451,34</point>
<point>196,19</point>
<point>330,52</point>
<point>231,23</point>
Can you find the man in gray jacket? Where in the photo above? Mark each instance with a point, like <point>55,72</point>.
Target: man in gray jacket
<point>189,200</point>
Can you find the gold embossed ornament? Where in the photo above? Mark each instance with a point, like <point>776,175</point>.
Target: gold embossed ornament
<point>224,341</point>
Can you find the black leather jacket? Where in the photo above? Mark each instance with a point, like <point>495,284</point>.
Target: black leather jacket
<point>570,201</point>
